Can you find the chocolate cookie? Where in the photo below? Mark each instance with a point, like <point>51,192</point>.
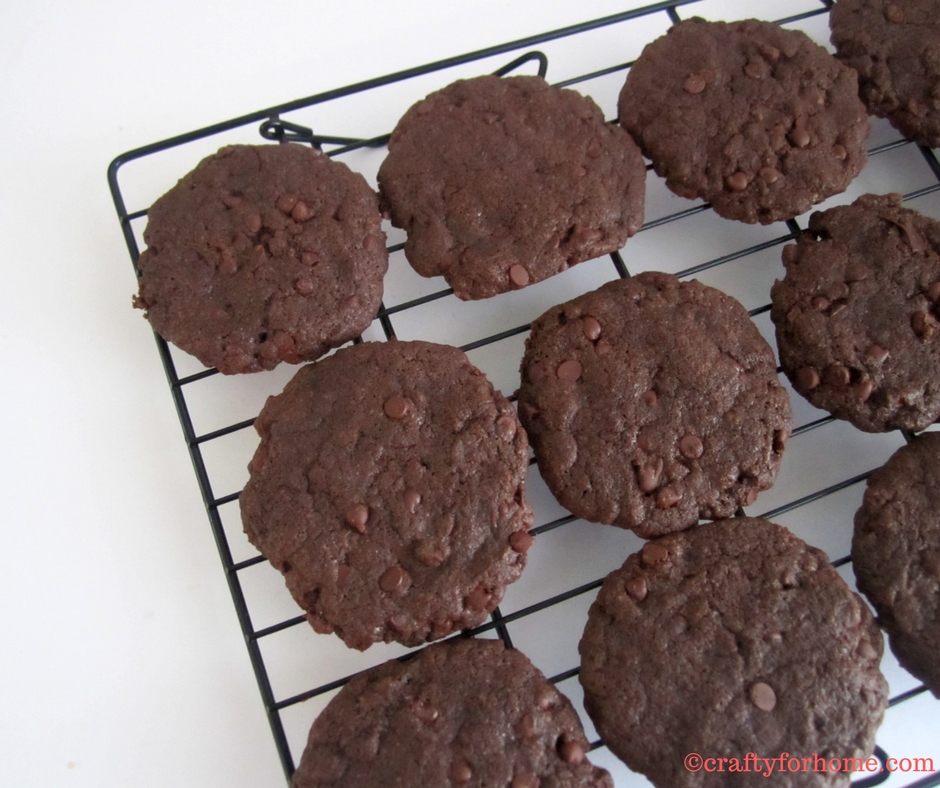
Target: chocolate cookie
<point>464,712</point>
<point>263,254</point>
<point>651,403</point>
<point>388,488</point>
<point>732,638</point>
<point>856,314</point>
<point>894,45</point>
<point>756,119</point>
<point>503,182</point>
<point>896,554</point>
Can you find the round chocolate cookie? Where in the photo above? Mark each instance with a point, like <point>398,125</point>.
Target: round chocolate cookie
<point>856,314</point>
<point>465,712</point>
<point>651,403</point>
<point>729,640</point>
<point>894,45</point>
<point>505,181</point>
<point>757,119</point>
<point>263,254</point>
<point>388,488</point>
<point>896,554</point>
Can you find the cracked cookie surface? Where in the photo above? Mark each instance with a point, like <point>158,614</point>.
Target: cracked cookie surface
<point>856,315</point>
<point>502,182</point>
<point>461,713</point>
<point>388,489</point>
<point>263,254</point>
<point>757,119</point>
<point>651,403</point>
<point>730,638</point>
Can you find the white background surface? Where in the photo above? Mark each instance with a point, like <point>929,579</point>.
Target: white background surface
<point>121,661</point>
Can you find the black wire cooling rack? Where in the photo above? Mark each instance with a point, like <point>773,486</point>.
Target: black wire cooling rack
<point>546,607</point>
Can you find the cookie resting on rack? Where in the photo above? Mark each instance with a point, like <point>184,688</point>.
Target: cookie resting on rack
<point>388,489</point>
<point>894,45</point>
<point>735,637</point>
<point>501,182</point>
<point>896,554</point>
<point>465,712</point>
<point>757,119</point>
<point>651,403</point>
<point>856,315</point>
<point>263,254</point>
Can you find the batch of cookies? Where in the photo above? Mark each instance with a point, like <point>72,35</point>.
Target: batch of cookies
<point>388,486</point>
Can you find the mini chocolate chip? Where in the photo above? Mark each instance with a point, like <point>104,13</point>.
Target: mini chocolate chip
<point>301,211</point>
<point>525,780</point>
<point>866,650</point>
<point>425,711</point>
<point>571,751</point>
<point>769,174</point>
<point>506,427</point>
<point>789,579</point>
<point>521,541</point>
<point>477,599</point>
<point>763,696</point>
<point>304,285</point>
<point>286,202</point>
<point>807,378</point>
<point>837,290</point>
<point>780,440</point>
<point>412,499</point>
<point>691,446</point>
<point>894,13</point>
<point>667,497</point>
<point>231,200</point>
<point>876,353</point>
<point>431,553</point>
<point>397,406</point>
<point>649,397</point>
<point>924,324</point>
<point>837,307</point>
<point>648,476</point>
<point>393,579</point>
<point>591,327</point>
<point>653,553</point>
<point>770,52</point>
<point>820,303</point>
<point>750,497</point>
<point>357,516</point>
<point>637,588</point>
<point>799,135</point>
<point>547,699</point>
<point>569,371</point>
<point>839,152</point>
<point>856,272</point>
<point>737,181</point>
<point>595,148</point>
<point>460,772</point>
<point>933,292</point>
<point>227,264</point>
<point>864,389</point>
<point>913,236</point>
<point>694,83</point>
<point>756,69</point>
<point>309,259</point>
<point>838,375</point>
<point>518,275</point>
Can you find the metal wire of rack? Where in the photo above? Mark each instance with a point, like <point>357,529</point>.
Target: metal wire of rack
<point>411,307</point>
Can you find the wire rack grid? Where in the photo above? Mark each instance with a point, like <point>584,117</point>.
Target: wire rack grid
<point>827,462</point>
